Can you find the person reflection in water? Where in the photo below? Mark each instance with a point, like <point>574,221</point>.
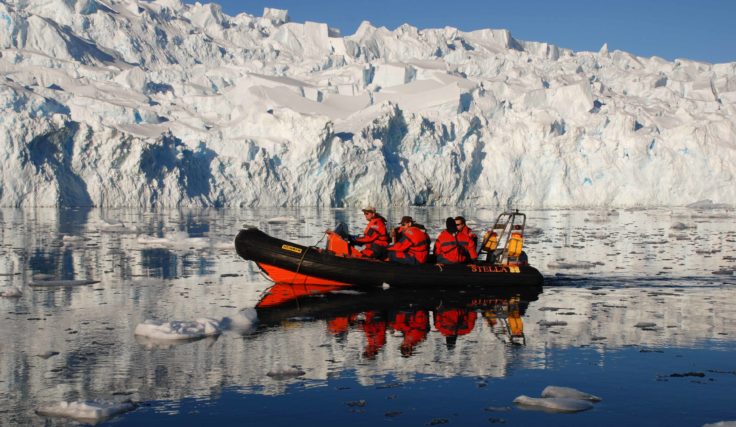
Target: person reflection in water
<point>374,327</point>
<point>454,322</point>
<point>414,325</point>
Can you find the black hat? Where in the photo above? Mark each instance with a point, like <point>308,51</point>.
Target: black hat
<point>406,220</point>
<point>450,225</point>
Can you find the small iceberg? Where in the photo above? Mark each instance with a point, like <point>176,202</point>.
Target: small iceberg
<point>178,330</point>
<point>553,404</point>
<point>11,292</point>
<point>284,373</point>
<point>561,265</point>
<point>91,411</point>
<point>116,226</point>
<point>568,393</point>
<point>708,204</point>
<point>280,220</point>
<point>244,322</point>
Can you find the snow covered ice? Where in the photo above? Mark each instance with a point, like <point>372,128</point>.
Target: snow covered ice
<point>178,330</point>
<point>91,411</point>
<point>158,103</point>
<point>553,404</point>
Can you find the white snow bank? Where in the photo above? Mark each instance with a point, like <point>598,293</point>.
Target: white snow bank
<point>553,404</point>
<point>568,393</point>
<point>178,329</point>
<point>721,424</point>
<point>90,411</point>
<point>11,292</point>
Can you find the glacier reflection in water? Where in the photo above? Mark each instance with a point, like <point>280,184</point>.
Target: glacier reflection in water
<point>632,300</point>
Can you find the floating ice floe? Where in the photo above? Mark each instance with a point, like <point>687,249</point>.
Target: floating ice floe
<point>560,265</point>
<point>178,240</point>
<point>279,372</point>
<point>11,292</point>
<point>62,283</point>
<point>243,322</point>
<point>91,411</point>
<point>114,226</point>
<point>72,239</point>
<point>223,246</point>
<point>568,393</point>
<point>347,292</point>
<point>708,204</point>
<point>280,220</point>
<point>178,329</point>
<point>721,424</point>
<point>553,404</point>
<point>48,354</point>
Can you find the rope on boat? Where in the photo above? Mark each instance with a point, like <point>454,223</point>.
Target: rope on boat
<point>301,260</point>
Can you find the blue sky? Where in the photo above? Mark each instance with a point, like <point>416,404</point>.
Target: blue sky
<point>704,30</point>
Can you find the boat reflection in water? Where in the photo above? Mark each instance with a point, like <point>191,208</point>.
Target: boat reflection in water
<point>410,313</point>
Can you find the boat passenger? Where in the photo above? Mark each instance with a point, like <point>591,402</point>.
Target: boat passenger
<point>375,237</point>
<point>462,227</point>
<point>413,244</point>
<point>453,247</point>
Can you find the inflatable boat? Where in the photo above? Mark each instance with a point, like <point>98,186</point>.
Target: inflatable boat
<point>289,262</point>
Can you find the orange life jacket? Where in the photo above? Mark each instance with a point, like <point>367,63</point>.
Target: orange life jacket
<point>375,232</point>
<point>414,244</point>
<point>452,249</point>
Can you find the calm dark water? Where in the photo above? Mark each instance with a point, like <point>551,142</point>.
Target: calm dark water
<point>638,308</point>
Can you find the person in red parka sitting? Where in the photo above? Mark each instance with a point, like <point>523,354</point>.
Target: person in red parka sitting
<point>413,245</point>
<point>462,227</point>
<point>375,237</point>
<point>452,247</point>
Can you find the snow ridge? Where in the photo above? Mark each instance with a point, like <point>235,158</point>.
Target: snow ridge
<point>158,103</point>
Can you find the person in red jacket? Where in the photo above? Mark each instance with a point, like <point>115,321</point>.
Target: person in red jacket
<point>462,227</point>
<point>375,237</point>
<point>452,247</point>
<point>413,245</point>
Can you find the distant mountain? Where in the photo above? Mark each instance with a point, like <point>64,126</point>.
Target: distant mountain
<point>157,103</point>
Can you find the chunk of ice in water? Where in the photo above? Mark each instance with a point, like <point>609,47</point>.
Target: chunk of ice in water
<point>243,322</point>
<point>279,372</point>
<point>90,411</point>
<point>11,292</point>
<point>178,329</point>
<point>554,404</point>
<point>568,393</point>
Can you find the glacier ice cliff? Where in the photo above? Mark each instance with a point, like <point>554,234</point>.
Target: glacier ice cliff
<point>158,103</point>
